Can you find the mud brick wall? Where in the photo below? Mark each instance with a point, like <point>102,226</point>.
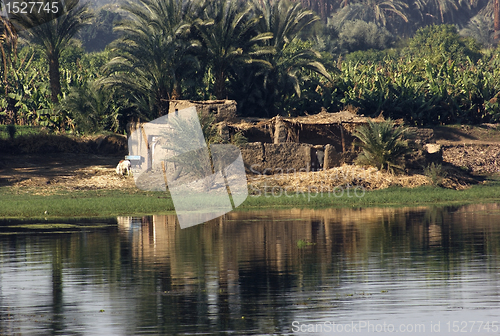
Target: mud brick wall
<point>222,110</point>
<point>253,156</point>
<point>332,157</point>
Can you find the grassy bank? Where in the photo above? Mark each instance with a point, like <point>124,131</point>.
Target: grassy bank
<point>92,203</point>
<point>84,203</point>
<point>395,196</point>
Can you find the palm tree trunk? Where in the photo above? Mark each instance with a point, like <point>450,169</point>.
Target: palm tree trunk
<point>176,92</point>
<point>220,85</point>
<point>496,13</point>
<point>55,77</point>
<point>162,101</point>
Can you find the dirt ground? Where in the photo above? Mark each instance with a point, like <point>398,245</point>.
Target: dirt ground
<point>460,134</point>
<point>48,174</point>
<point>44,173</point>
<point>473,148</point>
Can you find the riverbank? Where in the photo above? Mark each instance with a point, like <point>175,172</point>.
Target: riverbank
<point>22,203</point>
<point>85,184</point>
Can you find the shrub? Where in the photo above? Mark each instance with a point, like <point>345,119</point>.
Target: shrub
<point>382,145</point>
<point>435,173</point>
<point>360,35</point>
<point>480,28</point>
<point>439,43</point>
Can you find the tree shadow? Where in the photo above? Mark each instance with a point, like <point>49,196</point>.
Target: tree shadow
<point>451,134</point>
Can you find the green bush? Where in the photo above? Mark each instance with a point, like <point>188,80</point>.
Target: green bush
<point>435,173</point>
<point>439,43</point>
<point>360,35</point>
<point>382,145</point>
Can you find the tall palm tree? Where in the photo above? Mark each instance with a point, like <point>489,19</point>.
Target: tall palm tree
<point>324,8</point>
<point>290,56</point>
<point>381,12</point>
<point>443,11</point>
<point>227,32</point>
<point>53,32</point>
<point>8,45</point>
<point>490,12</point>
<point>285,20</point>
<point>8,48</point>
<point>154,53</point>
<point>496,18</point>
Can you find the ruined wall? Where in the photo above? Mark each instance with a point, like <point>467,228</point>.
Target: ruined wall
<point>222,110</point>
<point>253,156</point>
<point>260,133</point>
<point>287,156</point>
<point>271,158</point>
<point>331,157</point>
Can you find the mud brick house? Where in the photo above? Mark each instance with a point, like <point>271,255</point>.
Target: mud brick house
<point>312,142</point>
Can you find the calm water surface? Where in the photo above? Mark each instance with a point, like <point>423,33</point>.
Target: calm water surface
<point>418,271</point>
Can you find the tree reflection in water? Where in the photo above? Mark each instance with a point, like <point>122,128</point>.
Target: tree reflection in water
<point>245,271</point>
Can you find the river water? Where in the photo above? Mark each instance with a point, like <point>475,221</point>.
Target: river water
<point>376,271</point>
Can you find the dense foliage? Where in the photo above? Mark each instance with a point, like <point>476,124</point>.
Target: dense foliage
<point>382,145</point>
<point>271,56</point>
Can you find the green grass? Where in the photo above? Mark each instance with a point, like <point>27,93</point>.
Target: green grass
<point>109,203</point>
<point>20,131</point>
<point>82,204</point>
<point>395,196</point>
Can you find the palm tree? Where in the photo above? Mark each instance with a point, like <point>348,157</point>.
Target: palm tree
<point>8,47</point>
<point>496,18</point>
<point>53,32</point>
<point>285,20</point>
<point>382,144</point>
<point>442,11</point>
<point>93,107</point>
<point>227,33</point>
<point>324,8</point>
<point>382,12</point>
<point>290,55</point>
<point>154,53</point>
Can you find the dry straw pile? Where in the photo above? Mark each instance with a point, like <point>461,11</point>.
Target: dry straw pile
<point>344,176</point>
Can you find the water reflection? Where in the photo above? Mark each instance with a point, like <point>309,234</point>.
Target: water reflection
<point>247,273</point>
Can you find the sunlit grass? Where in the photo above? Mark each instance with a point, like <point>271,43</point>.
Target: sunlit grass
<point>395,196</point>
<point>16,203</point>
<point>83,203</point>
